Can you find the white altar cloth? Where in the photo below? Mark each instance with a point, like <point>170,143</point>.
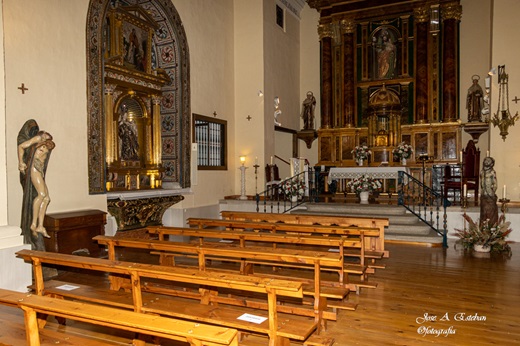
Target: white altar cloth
<point>336,173</point>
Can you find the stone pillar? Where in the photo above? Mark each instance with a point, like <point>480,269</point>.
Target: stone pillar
<point>347,28</point>
<point>326,33</point>
<point>451,14</point>
<point>421,65</point>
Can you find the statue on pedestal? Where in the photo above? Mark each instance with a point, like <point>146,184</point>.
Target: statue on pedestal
<point>308,106</point>
<point>488,197</point>
<point>34,149</point>
<point>475,101</point>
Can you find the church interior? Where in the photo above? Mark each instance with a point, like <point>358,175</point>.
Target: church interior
<point>126,121</point>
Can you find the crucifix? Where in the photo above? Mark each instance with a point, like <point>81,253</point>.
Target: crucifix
<point>249,118</point>
<point>23,88</point>
<point>516,99</point>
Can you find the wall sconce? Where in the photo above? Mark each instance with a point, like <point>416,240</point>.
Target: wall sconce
<point>243,168</point>
<point>260,93</point>
<point>502,118</point>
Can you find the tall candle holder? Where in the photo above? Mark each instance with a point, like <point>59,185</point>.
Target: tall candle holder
<point>256,177</point>
<point>243,168</point>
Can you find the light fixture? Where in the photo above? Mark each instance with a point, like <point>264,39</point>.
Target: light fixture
<point>242,168</point>
<point>260,93</point>
<point>502,118</point>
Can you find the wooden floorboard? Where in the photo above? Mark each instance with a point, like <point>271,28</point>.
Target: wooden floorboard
<point>418,282</point>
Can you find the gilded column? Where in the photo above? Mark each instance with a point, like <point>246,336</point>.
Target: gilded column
<point>421,65</point>
<point>451,14</point>
<point>347,28</point>
<point>110,135</point>
<point>326,33</point>
<point>156,130</point>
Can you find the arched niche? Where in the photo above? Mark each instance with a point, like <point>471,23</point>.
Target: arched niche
<point>169,102</point>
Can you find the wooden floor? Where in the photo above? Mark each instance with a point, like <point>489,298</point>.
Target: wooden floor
<point>425,296</point>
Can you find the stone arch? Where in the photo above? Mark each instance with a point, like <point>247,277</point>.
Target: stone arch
<point>171,54</point>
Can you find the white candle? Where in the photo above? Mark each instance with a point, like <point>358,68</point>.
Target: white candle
<point>504,193</point>
<point>460,156</point>
<point>464,190</point>
<point>256,160</point>
<point>487,153</point>
<point>271,160</point>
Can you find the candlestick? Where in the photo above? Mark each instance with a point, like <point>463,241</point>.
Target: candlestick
<point>465,190</point>
<point>460,156</point>
<point>504,193</point>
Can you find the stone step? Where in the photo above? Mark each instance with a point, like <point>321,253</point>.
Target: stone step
<point>403,225</point>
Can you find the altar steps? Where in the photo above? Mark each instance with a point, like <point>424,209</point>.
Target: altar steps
<point>404,226</point>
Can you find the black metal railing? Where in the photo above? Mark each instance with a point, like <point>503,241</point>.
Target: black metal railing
<point>274,199</point>
<point>428,205</point>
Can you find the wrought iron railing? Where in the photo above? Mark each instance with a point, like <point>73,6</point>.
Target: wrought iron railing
<point>274,200</point>
<point>428,205</point>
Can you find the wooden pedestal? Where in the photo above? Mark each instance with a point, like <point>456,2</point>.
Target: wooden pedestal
<point>73,231</point>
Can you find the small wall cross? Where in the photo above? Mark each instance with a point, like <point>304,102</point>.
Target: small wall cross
<point>249,118</point>
<point>23,88</point>
<point>516,99</point>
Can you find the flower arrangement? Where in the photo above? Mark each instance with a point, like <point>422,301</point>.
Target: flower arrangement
<point>293,187</point>
<point>364,183</point>
<point>403,151</point>
<point>484,234</point>
<point>361,152</point>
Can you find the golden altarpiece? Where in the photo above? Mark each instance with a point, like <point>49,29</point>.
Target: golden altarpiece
<point>389,74</point>
<point>132,102</point>
<point>138,106</point>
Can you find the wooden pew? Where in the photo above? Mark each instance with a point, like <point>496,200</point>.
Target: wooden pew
<point>299,240</point>
<point>313,261</point>
<point>279,328</point>
<point>376,245</point>
<point>195,334</point>
<point>352,232</point>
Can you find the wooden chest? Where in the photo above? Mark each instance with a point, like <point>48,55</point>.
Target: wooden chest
<point>73,231</point>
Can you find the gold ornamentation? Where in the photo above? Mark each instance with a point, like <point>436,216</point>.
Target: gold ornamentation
<point>451,11</point>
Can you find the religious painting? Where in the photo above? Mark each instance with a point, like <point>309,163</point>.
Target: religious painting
<point>135,46</point>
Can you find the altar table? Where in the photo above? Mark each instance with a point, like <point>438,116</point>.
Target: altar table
<point>341,174</point>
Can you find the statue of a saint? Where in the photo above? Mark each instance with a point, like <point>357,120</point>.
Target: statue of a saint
<point>277,111</point>
<point>308,106</point>
<point>488,197</point>
<point>475,101</point>
<point>34,149</point>
<point>386,55</point>
<point>128,136</point>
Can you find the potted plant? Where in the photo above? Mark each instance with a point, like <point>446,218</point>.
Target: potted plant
<point>403,151</point>
<point>293,188</point>
<point>363,186</point>
<point>361,152</point>
<point>481,236</point>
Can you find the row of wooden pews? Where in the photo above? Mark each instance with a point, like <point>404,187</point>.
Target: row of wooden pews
<point>185,294</point>
<point>273,275</point>
<point>194,334</point>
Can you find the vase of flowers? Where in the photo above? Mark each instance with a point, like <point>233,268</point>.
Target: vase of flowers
<point>293,188</point>
<point>361,153</point>
<point>483,237</point>
<point>403,151</point>
<point>363,186</point>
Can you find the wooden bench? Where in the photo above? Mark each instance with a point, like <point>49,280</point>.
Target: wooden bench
<point>294,240</point>
<point>313,261</point>
<point>376,244</point>
<point>163,327</point>
<point>279,327</point>
<point>358,234</point>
